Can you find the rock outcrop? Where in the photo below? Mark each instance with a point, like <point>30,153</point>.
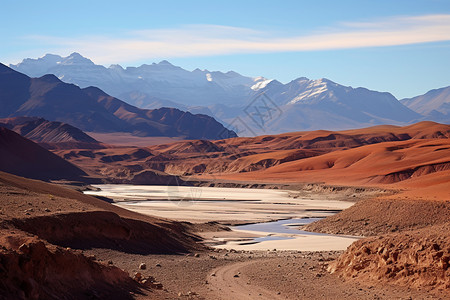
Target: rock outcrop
<point>413,258</point>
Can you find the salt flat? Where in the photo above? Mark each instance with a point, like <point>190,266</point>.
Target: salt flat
<point>204,204</point>
<point>233,206</point>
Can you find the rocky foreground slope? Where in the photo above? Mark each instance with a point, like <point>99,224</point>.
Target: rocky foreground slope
<point>45,228</point>
<point>412,258</point>
<point>34,269</point>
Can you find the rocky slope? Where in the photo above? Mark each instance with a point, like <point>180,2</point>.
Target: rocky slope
<point>34,269</point>
<point>161,122</point>
<point>50,98</point>
<point>414,258</point>
<point>46,228</point>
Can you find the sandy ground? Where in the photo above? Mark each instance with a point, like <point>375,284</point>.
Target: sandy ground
<point>223,274</point>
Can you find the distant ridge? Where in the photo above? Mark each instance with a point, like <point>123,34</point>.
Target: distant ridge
<point>50,134</point>
<point>95,111</point>
<point>435,104</point>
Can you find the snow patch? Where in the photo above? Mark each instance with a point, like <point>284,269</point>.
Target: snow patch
<point>313,90</point>
<point>261,84</point>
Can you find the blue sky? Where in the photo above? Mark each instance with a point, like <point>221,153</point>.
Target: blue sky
<point>400,46</point>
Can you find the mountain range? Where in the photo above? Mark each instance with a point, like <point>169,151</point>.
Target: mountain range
<point>148,85</point>
<point>248,105</point>
<point>91,109</point>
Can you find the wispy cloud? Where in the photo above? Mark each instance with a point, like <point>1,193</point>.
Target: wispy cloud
<point>210,40</point>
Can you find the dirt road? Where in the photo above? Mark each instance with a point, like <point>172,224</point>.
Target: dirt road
<point>227,282</point>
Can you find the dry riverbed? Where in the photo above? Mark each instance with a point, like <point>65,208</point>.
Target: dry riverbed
<point>232,206</point>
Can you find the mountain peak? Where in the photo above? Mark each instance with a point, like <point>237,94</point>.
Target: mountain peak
<point>76,59</point>
<point>75,55</point>
<point>116,67</point>
<point>49,78</point>
<point>233,73</point>
<point>50,57</point>
<point>164,63</point>
<point>326,80</point>
<point>161,66</point>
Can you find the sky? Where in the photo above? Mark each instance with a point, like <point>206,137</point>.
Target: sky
<point>396,46</point>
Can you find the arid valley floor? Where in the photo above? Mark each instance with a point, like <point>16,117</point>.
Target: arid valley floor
<point>387,186</point>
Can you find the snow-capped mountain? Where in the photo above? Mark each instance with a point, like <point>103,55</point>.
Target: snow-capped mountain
<point>249,105</point>
<point>305,104</point>
<point>435,104</point>
<point>148,85</point>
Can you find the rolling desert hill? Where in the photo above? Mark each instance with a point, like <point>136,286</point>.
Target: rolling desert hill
<point>384,163</point>
<point>250,105</point>
<point>23,157</point>
<point>92,110</point>
<point>380,155</point>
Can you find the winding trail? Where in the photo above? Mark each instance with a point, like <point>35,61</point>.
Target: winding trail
<point>228,282</point>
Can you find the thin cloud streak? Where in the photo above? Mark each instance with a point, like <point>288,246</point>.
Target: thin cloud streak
<point>211,40</point>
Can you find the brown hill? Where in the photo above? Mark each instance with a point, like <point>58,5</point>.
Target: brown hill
<point>383,163</point>
<point>369,156</point>
<point>52,203</point>
<point>50,134</point>
<point>22,157</point>
<point>323,139</point>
